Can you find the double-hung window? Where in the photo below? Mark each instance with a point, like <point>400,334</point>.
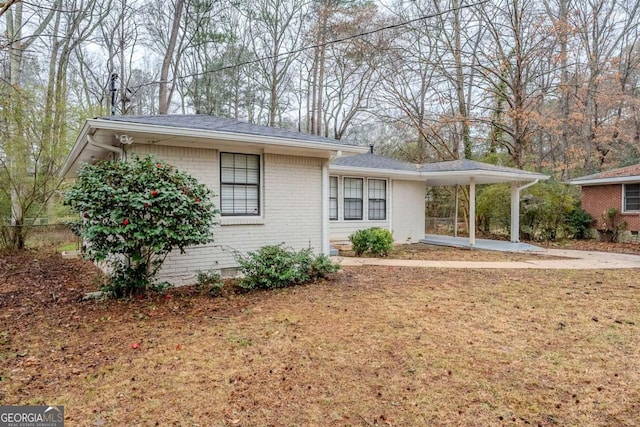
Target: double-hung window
<point>631,197</point>
<point>239,184</point>
<point>377,199</point>
<point>333,197</point>
<point>353,191</point>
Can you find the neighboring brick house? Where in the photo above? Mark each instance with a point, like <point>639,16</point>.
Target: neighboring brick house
<point>616,188</point>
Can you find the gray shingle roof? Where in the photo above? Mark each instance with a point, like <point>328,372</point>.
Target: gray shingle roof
<point>220,124</point>
<point>467,165</point>
<point>374,161</point>
<point>628,171</point>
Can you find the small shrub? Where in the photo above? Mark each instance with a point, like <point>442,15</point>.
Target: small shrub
<point>210,281</point>
<point>276,267</point>
<point>579,222</point>
<point>375,241</point>
<point>360,241</point>
<point>613,225</point>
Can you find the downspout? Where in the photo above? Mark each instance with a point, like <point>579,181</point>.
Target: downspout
<point>326,247</point>
<point>108,147</point>
<point>325,207</point>
<point>515,209</point>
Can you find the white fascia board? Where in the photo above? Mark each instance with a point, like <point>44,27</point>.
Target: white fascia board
<point>600,181</point>
<point>227,136</point>
<point>440,175</point>
<point>387,173</point>
<point>513,176</point>
<point>78,146</point>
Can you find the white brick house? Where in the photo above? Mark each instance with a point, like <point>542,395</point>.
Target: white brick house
<point>274,186</point>
<point>281,197</point>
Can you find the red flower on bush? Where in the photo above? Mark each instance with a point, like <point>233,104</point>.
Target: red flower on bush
<point>125,222</point>
<point>146,205</point>
<point>159,165</point>
<point>154,193</point>
<point>86,215</point>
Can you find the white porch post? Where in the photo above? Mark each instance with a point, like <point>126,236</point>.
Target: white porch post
<point>515,209</point>
<point>325,207</point>
<point>515,213</point>
<point>472,211</point>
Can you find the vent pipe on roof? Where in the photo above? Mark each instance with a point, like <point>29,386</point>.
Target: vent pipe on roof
<point>371,148</point>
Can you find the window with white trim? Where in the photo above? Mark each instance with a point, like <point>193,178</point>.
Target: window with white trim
<point>353,192</point>
<point>377,191</point>
<point>239,184</point>
<point>333,197</point>
<point>631,197</point>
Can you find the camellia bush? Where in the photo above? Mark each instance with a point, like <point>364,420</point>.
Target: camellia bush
<point>133,214</point>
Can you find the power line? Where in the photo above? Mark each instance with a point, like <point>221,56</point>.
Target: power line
<point>319,45</point>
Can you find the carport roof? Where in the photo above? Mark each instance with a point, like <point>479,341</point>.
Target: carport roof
<point>453,172</point>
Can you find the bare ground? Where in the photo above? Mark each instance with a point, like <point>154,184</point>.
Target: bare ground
<point>373,346</point>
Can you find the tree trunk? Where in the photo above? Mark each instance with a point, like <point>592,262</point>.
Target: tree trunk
<point>164,94</point>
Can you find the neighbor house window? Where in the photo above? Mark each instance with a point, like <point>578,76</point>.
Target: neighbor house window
<point>333,197</point>
<point>353,198</point>
<point>239,184</point>
<point>631,197</point>
<point>377,199</point>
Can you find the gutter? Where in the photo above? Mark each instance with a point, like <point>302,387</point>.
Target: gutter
<point>107,147</point>
<point>224,135</point>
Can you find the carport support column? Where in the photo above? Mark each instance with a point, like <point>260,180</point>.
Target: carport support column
<point>472,211</point>
<point>515,213</point>
<point>515,209</point>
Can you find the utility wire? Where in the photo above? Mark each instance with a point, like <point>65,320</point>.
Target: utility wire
<point>319,45</point>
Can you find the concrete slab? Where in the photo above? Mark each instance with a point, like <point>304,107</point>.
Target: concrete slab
<point>483,244</point>
<point>567,260</point>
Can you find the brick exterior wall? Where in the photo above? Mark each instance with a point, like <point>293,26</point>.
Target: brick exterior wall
<point>596,199</point>
<point>292,209</point>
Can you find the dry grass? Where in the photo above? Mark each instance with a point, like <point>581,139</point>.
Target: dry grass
<point>376,346</point>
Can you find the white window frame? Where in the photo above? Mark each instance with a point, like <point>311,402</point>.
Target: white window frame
<point>369,199</point>
<point>336,198</point>
<point>259,185</point>
<point>344,198</point>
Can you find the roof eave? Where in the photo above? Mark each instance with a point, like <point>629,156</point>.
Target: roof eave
<point>600,181</point>
<point>515,176</point>
<point>77,148</point>
<point>94,124</point>
<point>229,136</point>
<point>368,171</point>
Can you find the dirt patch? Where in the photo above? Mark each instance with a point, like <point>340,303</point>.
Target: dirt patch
<point>593,245</point>
<point>374,346</point>
<point>426,252</point>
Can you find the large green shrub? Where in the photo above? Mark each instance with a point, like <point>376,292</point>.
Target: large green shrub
<point>135,213</point>
<point>579,222</point>
<point>375,241</point>
<point>493,207</point>
<point>548,210</point>
<point>275,266</point>
<point>545,208</point>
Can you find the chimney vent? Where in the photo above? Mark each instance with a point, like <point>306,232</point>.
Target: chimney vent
<point>371,148</point>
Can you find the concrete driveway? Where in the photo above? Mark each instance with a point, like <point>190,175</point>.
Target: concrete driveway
<point>569,260</point>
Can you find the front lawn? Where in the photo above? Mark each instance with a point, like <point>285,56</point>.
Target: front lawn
<point>376,346</point>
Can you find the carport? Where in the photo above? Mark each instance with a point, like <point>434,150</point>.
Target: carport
<point>471,173</point>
